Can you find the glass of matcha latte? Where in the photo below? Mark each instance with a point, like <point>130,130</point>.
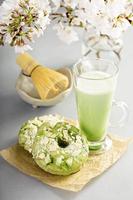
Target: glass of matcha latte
<point>95,82</point>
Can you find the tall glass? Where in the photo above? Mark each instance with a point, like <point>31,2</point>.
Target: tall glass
<point>95,82</point>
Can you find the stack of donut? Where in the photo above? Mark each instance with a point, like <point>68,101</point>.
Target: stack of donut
<point>55,144</point>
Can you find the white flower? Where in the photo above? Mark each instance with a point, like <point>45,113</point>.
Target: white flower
<point>22,49</point>
<point>8,38</point>
<point>116,7</point>
<point>66,33</point>
<point>20,20</point>
<point>71,3</point>
<point>36,32</point>
<point>131,18</point>
<point>83,4</point>
<point>96,11</point>
<point>122,26</point>
<point>43,21</point>
<point>6,7</point>
<point>108,17</point>
<point>57,4</point>
<point>81,17</point>
<point>40,4</point>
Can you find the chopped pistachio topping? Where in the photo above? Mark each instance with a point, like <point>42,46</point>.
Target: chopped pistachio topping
<point>29,129</point>
<point>57,146</point>
<point>63,138</point>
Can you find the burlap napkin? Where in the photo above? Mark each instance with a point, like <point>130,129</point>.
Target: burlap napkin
<point>96,165</point>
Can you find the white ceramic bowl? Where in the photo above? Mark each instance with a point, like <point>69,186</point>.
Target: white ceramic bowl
<point>29,94</point>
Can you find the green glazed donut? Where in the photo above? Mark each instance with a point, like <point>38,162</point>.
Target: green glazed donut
<point>61,149</point>
<point>29,129</point>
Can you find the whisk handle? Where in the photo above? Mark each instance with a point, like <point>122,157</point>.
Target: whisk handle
<point>27,63</point>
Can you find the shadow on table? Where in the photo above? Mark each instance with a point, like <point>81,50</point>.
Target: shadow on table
<point>68,195</point>
<point>63,194</point>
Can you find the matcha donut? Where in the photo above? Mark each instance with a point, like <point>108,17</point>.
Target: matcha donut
<point>29,129</point>
<point>60,149</point>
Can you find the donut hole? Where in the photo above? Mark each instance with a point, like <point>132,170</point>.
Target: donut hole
<point>62,143</point>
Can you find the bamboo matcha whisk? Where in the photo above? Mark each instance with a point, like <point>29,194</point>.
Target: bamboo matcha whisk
<point>48,82</point>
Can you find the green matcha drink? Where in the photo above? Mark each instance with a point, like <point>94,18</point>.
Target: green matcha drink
<point>94,98</point>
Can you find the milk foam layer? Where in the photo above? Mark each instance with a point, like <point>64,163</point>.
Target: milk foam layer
<point>95,82</point>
